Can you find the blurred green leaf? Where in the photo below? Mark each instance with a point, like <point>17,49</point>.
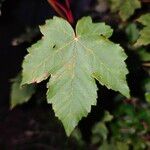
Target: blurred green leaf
<point>126,8</point>
<point>107,116</point>
<point>99,132</point>
<point>132,32</point>
<point>147,84</point>
<point>76,134</point>
<point>107,146</point>
<point>145,19</point>
<point>144,54</point>
<point>147,97</point>
<point>20,94</point>
<point>144,38</point>
<point>146,88</point>
<point>122,146</point>
<point>114,145</point>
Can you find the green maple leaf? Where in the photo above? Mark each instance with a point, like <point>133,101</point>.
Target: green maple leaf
<point>74,59</point>
<point>144,38</point>
<point>126,8</point>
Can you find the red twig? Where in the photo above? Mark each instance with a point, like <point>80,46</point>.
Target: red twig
<point>68,2</point>
<point>53,4</point>
<point>63,9</point>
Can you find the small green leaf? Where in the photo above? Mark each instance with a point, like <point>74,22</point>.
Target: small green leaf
<point>126,8</point>
<point>108,146</point>
<point>122,146</point>
<point>20,94</point>
<point>77,135</point>
<point>147,97</point>
<point>107,117</point>
<point>144,54</point>
<point>146,88</point>
<point>74,59</point>
<point>99,131</point>
<point>144,19</point>
<point>144,38</point>
<point>132,32</point>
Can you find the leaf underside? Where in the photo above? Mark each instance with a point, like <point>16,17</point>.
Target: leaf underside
<point>74,59</point>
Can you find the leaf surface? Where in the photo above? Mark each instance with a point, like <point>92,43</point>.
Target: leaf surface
<point>74,59</point>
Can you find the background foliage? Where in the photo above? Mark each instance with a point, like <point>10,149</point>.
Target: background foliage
<point>116,122</point>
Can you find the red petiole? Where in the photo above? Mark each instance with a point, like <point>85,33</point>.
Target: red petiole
<point>63,9</point>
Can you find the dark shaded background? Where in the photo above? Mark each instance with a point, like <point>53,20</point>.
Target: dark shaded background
<point>32,125</point>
